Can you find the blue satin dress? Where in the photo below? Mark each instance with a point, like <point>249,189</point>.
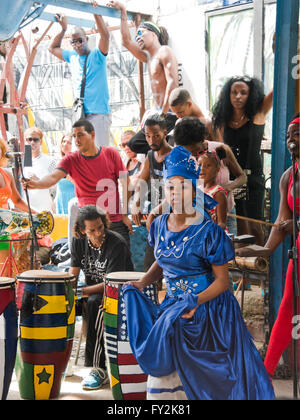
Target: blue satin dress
<point>212,353</point>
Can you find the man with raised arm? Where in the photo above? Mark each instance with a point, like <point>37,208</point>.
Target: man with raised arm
<point>96,94</point>
<point>151,46</point>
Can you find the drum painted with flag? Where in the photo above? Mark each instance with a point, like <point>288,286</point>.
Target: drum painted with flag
<point>47,322</point>
<point>8,333</point>
<point>127,380</point>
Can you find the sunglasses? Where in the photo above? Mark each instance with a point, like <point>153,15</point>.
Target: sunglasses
<point>245,79</point>
<point>34,139</point>
<point>77,41</point>
<point>139,33</point>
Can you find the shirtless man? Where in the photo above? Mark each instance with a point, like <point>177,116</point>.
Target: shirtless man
<point>150,46</point>
<point>182,105</point>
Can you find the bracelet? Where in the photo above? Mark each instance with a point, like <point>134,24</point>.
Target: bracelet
<point>79,292</point>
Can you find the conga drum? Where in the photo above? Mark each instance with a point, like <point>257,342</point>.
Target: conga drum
<point>127,380</point>
<point>47,322</point>
<point>8,333</point>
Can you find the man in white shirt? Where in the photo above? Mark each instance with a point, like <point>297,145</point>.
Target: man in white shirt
<point>42,165</point>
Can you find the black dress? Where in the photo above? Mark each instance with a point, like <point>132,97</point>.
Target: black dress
<point>245,143</point>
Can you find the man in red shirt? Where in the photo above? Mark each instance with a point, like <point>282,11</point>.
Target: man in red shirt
<point>95,172</point>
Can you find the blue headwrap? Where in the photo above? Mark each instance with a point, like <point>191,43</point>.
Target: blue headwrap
<point>180,162</point>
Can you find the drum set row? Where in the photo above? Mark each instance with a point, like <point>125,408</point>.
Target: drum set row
<point>37,325</point>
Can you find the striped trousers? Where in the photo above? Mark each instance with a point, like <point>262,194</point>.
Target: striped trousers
<point>94,348</point>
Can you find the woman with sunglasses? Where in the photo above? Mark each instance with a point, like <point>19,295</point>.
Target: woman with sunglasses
<point>239,118</point>
<point>133,165</point>
<point>42,165</point>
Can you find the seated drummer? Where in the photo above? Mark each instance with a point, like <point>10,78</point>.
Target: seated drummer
<point>97,251</point>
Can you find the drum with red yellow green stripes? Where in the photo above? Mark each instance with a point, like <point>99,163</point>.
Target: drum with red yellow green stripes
<point>47,323</point>
<point>127,380</point>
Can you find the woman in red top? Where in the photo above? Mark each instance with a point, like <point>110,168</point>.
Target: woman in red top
<point>282,329</point>
<point>8,191</point>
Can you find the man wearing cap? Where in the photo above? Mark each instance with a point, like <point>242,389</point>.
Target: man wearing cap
<point>150,46</point>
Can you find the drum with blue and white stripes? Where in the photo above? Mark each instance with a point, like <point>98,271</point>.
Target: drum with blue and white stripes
<point>127,380</point>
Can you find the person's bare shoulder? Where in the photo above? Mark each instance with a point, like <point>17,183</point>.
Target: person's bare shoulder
<point>165,50</point>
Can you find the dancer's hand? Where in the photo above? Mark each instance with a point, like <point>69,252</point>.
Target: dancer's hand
<point>128,223</point>
<point>189,314</point>
<point>137,284</point>
<point>116,5</point>
<point>136,214</point>
<point>62,20</point>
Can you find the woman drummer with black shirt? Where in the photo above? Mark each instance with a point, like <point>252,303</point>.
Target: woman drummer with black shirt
<point>96,251</point>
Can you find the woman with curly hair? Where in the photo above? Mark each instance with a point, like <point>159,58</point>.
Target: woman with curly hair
<point>96,250</point>
<point>239,118</point>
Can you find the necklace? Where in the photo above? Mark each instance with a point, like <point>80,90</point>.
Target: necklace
<point>239,121</point>
<point>96,248</point>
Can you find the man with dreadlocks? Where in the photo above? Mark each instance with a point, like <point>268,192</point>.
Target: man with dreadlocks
<point>151,46</point>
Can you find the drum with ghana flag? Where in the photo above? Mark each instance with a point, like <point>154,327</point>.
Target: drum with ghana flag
<point>8,333</point>
<point>127,380</point>
<point>47,321</point>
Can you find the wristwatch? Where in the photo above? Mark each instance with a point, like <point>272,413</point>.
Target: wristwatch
<point>79,292</point>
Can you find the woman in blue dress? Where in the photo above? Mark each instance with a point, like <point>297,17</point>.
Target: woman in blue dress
<point>195,345</point>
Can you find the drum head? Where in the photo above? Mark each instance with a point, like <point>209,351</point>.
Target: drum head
<point>123,276</point>
<point>6,282</point>
<point>45,276</point>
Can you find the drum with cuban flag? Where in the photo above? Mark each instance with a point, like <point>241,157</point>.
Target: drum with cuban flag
<point>8,333</point>
<point>127,380</point>
<point>47,322</point>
